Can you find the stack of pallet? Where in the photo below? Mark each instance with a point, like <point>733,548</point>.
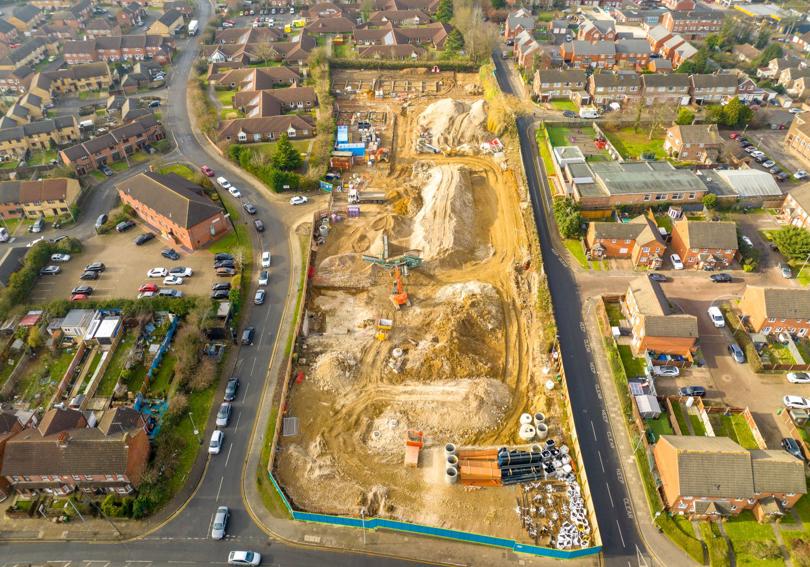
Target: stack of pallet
<point>479,467</point>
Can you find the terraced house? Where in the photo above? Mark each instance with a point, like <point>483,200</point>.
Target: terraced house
<point>25,17</point>
<point>623,87</point>
<point>551,84</point>
<point>119,48</point>
<point>41,198</point>
<point>705,244</point>
<point>712,88</point>
<point>665,89</point>
<point>771,310</point>
<point>694,142</point>
<point>693,24</point>
<point>75,79</point>
<point>798,136</point>
<point>29,54</point>
<point>168,24</point>
<point>36,136</point>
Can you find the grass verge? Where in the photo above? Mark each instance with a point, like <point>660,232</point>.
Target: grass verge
<point>574,246</point>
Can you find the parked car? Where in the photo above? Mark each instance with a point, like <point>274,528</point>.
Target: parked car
<point>265,259</point>
<point>148,287</point>
<point>298,200</point>
<point>106,170</point>
<point>157,273</point>
<point>718,320</point>
<point>250,208</point>
<point>222,286</point>
<point>231,388</point>
<point>50,270</point>
<point>258,299</point>
<point>696,391</point>
<point>220,294</point>
<point>224,414</point>
<point>264,277</point>
<point>244,558</point>
<point>222,256</point>
<point>798,377</point>
<point>785,270</point>
<point>768,164</point>
<point>801,174</point>
<point>677,264</point>
<point>234,191</point>
<point>781,176</point>
<point>215,445</point>
<point>95,267</point>
<point>124,226</point>
<point>259,225</point>
<point>176,293</point>
<point>207,171</point>
<point>82,289</point>
<point>720,278</point>
<point>144,238</point>
<point>220,523</point>
<point>569,114</point>
<point>225,272</point>
<point>225,264</point>
<point>796,402</point>
<point>790,445</point>
<point>666,371</point>
<point>170,253</point>
<point>172,280</point>
<point>60,257</point>
<point>89,275</point>
<point>736,353</point>
<point>79,297</point>
<point>222,182</point>
<point>181,271</point>
<point>247,335</point>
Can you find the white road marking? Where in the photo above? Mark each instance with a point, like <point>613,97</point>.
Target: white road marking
<point>229,455</point>
<point>220,487</point>
<point>210,524</point>
<point>610,495</point>
<point>253,367</point>
<point>238,417</point>
<point>600,460</point>
<point>594,431</point>
<point>244,395</point>
<point>620,533</point>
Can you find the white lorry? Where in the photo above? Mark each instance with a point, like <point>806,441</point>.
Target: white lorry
<point>193,27</point>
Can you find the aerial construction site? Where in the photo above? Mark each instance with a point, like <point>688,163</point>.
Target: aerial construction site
<point>420,390</point>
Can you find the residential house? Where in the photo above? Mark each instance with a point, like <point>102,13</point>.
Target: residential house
<point>176,208</point>
<point>180,5</point>
<point>330,26</point>
<point>328,10</point>
<point>660,65</point>
<point>15,81</point>
<point>74,79</point>
<point>656,327</point>
<point>665,89</point>
<point>25,17</point>
<point>798,136</point>
<point>394,52</point>
<point>130,16</point>
<point>36,136</point>
<point>518,21</point>
<point>558,84</point>
<point>693,24</point>
<point>8,33</point>
<point>684,52</point>
<point>10,425</point>
<point>657,36</point>
<point>795,209</point>
<point>398,18</point>
<point>712,88</point>
<point>101,27</point>
<point>748,90</point>
<point>28,54</point>
<point>526,50</point>
<point>141,76</point>
<point>247,35</point>
<point>629,16</point>
<point>694,142</point>
<point>51,197</point>
<point>638,240</point>
<point>119,48</point>
<point>593,30</point>
<point>802,41</point>
<point>634,53</point>
<point>775,67</point>
<point>583,54</point>
<point>623,87</point>
<point>59,460</point>
<point>706,477</point>
<point>799,88</point>
<point>746,53</point>
<point>74,17</point>
<point>51,5</point>
<point>112,146</point>
<point>265,129</point>
<point>679,5</point>
<point>168,24</point>
<point>705,244</point>
<point>273,102</point>
<point>775,309</point>
<point>259,79</point>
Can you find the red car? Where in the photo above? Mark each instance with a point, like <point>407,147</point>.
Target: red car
<point>734,135</point>
<point>147,287</point>
<point>207,171</point>
<point>78,297</point>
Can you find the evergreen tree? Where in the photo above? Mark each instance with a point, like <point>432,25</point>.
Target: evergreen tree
<point>444,11</point>
<point>285,156</point>
<point>454,42</point>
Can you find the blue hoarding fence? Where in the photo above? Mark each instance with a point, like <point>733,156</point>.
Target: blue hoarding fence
<point>326,186</point>
<point>357,149</point>
<point>466,537</point>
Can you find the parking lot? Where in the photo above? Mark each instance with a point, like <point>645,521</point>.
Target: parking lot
<point>772,142</point>
<point>127,265</point>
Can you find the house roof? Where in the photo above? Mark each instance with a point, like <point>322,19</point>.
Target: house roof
<point>659,319</point>
<point>251,126</point>
<point>337,24</point>
<point>778,471</point>
<point>25,12</point>
<point>640,228</point>
<point>613,79</point>
<point>707,234</point>
<point>6,27</point>
<point>638,46</point>
<point>56,420</point>
<point>120,419</point>
<point>714,80</point>
<point>580,47</point>
<point>170,17</point>
<point>748,51</point>
<point>397,16</point>
<point>673,80</point>
<point>171,196</point>
<point>659,33</point>
<point>551,76</point>
<point>522,18</point>
<point>706,134</point>
<point>391,51</point>
<point>802,194</point>
<point>711,467</point>
<point>781,302</point>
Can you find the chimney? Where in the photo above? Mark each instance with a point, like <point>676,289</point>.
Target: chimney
<point>63,439</point>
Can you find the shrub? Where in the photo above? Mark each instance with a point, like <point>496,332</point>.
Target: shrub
<point>568,217</point>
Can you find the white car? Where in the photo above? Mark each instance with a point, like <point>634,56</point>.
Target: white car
<point>147,294</point>
<point>234,191</point>
<point>172,280</point>
<point>677,264</point>
<point>181,271</point>
<point>264,277</point>
<point>224,183</point>
<point>801,174</point>
<point>244,558</point>
<point>298,200</point>
<point>217,438</point>
<point>157,273</point>
<point>265,259</point>
<point>717,316</point>
<point>220,523</point>
<point>60,257</point>
<point>748,241</point>
<point>796,402</point>
<point>798,377</point>
<point>757,153</point>
<point>667,371</point>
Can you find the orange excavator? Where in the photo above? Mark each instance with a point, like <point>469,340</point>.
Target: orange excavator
<point>399,296</point>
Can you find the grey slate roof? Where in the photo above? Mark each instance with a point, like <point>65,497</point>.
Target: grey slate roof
<point>706,234</point>
<point>712,467</point>
<point>783,302</point>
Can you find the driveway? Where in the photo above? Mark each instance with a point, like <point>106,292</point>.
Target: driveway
<point>772,142</point>
<point>769,274</point>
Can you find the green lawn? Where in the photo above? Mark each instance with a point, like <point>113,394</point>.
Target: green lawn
<point>632,145</point>
<point>680,531</point>
<point>779,353</point>
<point>561,135</point>
<point>42,376</point>
<point>545,154</point>
<point>754,544</point>
<point>268,148</point>
<point>664,221</point>
<point>660,426</point>
<point>742,432</point>
<point>10,164</point>
<point>119,357</point>
<point>42,158</point>
<point>342,51</point>
<point>163,377</point>
<point>98,175</point>
<point>180,169</point>
<point>563,105</point>
<point>716,544</point>
<point>119,166</point>
<point>632,366</point>
<point>614,312</point>
<point>697,425</point>
<point>225,97</point>
<point>680,417</point>
<point>575,246</point>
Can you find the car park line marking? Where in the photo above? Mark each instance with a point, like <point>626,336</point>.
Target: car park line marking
<point>218,490</point>
<point>228,458</point>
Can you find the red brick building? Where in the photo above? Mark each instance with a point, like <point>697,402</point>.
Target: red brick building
<point>695,24</point>
<point>176,208</point>
<point>638,240</point>
<point>773,309</point>
<point>702,244</point>
<point>119,48</point>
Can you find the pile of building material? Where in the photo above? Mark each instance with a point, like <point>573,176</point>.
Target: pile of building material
<point>450,124</point>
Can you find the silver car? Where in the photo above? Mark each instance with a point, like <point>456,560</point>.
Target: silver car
<point>220,523</point>
<point>224,414</point>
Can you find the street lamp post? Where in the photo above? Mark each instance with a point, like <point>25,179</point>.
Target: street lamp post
<point>196,431</point>
<point>69,501</point>
<point>363,520</point>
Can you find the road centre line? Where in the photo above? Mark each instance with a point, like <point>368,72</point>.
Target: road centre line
<point>220,487</point>
<point>610,495</point>
<point>228,458</point>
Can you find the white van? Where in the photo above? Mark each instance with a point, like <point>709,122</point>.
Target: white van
<point>4,236</point>
<point>717,317</point>
<point>588,112</point>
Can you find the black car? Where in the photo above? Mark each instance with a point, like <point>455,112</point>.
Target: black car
<point>655,277</point>
<point>251,210</point>
<point>106,170</point>
<point>720,278</point>
<point>144,238</point>
<point>782,176</point>
<point>790,445</point>
<point>220,294</point>
<point>230,389</point>
<point>220,286</point>
<point>222,256</point>
<point>89,275</point>
<point>170,253</point>
<point>95,267</point>
<point>569,114</point>
<point>225,264</point>
<point>225,272</point>
<point>83,289</point>
<point>247,335</point>
<point>123,226</point>
<point>744,143</point>
<point>259,225</point>
<point>697,391</point>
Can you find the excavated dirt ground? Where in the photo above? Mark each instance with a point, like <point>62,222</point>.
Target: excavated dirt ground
<point>468,367</point>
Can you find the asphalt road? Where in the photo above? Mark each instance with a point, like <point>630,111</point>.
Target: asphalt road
<point>616,519</point>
